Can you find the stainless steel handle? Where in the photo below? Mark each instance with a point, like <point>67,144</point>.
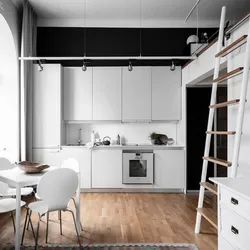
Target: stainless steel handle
<point>234,201</point>
<point>234,230</point>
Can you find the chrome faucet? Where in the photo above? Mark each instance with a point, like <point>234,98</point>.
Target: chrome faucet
<point>79,136</point>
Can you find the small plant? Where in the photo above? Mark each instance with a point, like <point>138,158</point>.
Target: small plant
<point>155,138</point>
<point>158,139</point>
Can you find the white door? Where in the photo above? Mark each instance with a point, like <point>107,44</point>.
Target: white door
<point>136,94</point>
<point>83,156</point>
<point>106,168</point>
<point>169,169</point>
<point>107,93</point>
<point>47,106</point>
<point>51,157</point>
<point>166,94</point>
<point>77,94</point>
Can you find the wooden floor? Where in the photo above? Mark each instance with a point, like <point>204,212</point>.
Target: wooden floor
<point>126,217</point>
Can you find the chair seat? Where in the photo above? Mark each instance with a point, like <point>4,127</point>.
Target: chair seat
<point>9,205</point>
<point>24,191</point>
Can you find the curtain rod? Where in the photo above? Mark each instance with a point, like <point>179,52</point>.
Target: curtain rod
<point>108,58</point>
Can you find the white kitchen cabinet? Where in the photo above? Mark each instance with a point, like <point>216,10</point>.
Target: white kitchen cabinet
<point>51,157</point>
<point>83,156</point>
<point>166,94</point>
<point>47,106</point>
<point>169,169</point>
<point>107,168</point>
<point>78,94</point>
<point>136,94</point>
<point>107,93</point>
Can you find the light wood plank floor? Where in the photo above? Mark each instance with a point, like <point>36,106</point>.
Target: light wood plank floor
<point>126,217</point>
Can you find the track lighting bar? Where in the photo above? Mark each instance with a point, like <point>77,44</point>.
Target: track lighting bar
<point>108,58</point>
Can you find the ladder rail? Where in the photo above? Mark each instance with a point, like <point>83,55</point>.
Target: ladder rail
<point>240,117</point>
<point>210,118</point>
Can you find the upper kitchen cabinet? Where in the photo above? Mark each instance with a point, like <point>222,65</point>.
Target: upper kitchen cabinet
<point>107,93</point>
<point>166,94</point>
<point>136,94</point>
<point>78,94</point>
<point>47,106</point>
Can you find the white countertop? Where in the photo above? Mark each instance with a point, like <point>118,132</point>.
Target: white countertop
<point>239,185</point>
<point>132,147</point>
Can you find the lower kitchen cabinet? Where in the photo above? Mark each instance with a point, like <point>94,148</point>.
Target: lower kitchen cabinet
<point>107,168</point>
<point>51,156</point>
<point>169,169</point>
<point>83,156</point>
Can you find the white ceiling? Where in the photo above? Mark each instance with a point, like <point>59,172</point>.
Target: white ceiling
<point>146,13</point>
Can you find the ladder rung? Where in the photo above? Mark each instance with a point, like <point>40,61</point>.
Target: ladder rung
<point>209,214</point>
<point>212,188</point>
<point>224,104</point>
<point>218,161</point>
<point>228,75</point>
<point>231,47</point>
<point>221,132</point>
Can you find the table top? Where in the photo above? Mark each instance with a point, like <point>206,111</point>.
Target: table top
<point>239,185</point>
<point>16,176</point>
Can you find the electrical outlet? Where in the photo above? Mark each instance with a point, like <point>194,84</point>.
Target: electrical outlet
<point>1,6</point>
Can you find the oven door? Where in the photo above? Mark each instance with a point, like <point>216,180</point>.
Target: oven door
<point>138,168</point>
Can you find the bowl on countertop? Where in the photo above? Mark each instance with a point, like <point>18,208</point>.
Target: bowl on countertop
<point>32,167</point>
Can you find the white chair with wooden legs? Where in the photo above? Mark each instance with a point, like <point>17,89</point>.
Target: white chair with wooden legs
<point>73,164</point>
<point>55,189</point>
<point>5,164</point>
<point>8,205</point>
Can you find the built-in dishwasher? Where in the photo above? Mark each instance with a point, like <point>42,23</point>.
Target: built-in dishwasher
<point>138,167</point>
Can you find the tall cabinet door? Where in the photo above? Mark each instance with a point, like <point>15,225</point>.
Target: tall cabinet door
<point>78,94</point>
<point>47,106</point>
<point>107,93</point>
<point>136,94</point>
<point>166,94</point>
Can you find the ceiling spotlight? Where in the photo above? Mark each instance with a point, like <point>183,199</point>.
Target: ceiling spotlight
<point>39,66</point>
<point>84,66</point>
<point>172,67</point>
<point>130,66</point>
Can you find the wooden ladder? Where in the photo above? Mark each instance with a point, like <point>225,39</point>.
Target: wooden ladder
<point>207,213</point>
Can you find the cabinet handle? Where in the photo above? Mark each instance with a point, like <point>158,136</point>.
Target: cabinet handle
<point>234,230</point>
<point>234,201</point>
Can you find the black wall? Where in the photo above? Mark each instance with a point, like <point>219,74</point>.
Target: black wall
<point>62,41</point>
<point>198,100</point>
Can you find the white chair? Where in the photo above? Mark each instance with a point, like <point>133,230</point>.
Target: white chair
<point>8,205</point>
<point>5,164</point>
<point>73,164</point>
<point>55,190</point>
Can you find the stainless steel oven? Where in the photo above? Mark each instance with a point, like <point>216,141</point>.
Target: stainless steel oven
<point>138,167</point>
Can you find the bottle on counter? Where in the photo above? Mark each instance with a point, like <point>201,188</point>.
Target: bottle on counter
<point>93,136</point>
<point>118,140</point>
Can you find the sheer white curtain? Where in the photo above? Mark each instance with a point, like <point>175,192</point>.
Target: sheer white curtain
<point>28,48</point>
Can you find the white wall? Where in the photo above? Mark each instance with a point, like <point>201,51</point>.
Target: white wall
<point>131,132</point>
<point>235,60</point>
<point>9,81</point>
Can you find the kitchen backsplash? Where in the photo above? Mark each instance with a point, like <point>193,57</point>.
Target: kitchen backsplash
<point>129,132</point>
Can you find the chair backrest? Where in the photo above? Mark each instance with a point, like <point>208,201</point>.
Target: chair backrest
<point>57,187</point>
<point>5,164</point>
<point>71,163</point>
